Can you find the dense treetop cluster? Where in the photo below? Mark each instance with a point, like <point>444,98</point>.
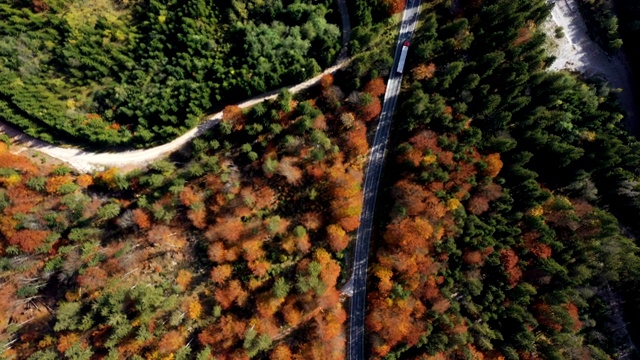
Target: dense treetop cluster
<point>494,244</point>
<point>139,73</point>
<point>506,220</point>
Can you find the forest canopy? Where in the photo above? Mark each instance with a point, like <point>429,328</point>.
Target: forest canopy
<point>506,222</point>
<point>499,237</point>
<point>234,248</point>
<point>138,73</point>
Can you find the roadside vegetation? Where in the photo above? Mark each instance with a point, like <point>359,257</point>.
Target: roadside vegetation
<point>499,238</point>
<point>506,221</point>
<point>233,249</point>
<point>602,23</point>
<point>140,73</point>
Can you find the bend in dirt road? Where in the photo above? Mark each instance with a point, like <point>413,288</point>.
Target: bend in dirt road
<point>86,161</point>
<point>577,52</point>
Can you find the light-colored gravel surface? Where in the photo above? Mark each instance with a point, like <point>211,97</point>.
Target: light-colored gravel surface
<point>577,52</point>
<point>86,161</point>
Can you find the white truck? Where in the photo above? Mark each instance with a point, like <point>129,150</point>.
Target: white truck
<point>403,57</point>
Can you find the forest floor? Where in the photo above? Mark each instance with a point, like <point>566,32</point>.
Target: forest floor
<point>576,51</point>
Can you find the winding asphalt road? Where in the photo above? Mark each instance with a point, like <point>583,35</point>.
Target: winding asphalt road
<point>371,183</point>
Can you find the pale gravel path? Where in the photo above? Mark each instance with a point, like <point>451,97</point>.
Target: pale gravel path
<point>87,161</point>
<point>577,52</point>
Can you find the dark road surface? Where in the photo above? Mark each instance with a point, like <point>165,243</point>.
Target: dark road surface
<point>371,183</point>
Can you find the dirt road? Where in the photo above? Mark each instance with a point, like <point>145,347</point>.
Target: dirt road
<point>576,51</point>
<point>86,161</point>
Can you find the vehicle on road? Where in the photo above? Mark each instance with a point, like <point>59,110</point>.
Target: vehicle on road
<point>403,57</point>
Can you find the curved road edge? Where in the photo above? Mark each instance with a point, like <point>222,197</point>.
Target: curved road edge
<point>87,161</point>
<point>371,183</point>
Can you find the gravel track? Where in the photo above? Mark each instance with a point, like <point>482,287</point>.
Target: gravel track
<point>577,52</point>
<point>88,161</point>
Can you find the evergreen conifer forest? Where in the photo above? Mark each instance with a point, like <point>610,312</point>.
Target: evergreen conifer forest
<point>507,219</point>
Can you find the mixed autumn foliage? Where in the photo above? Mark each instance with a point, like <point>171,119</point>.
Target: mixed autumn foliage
<point>238,253</point>
<point>494,241</point>
<point>496,234</point>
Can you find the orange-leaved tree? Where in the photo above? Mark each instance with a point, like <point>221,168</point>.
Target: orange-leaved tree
<point>375,87</point>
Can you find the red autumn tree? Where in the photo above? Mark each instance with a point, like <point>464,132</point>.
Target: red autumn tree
<point>292,315</point>
<point>171,342</point>
<point>320,123</point>
<point>472,257</point>
<point>312,220</point>
<point>28,240</point>
<point>370,109</point>
<point>66,341</point>
<point>350,223</point>
<point>161,235</point>
<point>478,205</point>
<point>92,278</point>
<point>198,217</point>
<point>425,140</point>
<point>537,248</point>
<point>330,268</point>
<point>424,71</point>
<point>252,249</point>
<point>231,114</point>
<point>231,293</point>
<point>326,80</point>
<point>141,219</point>
<point>259,268</point>
<point>228,229</point>
<point>409,233</point>
<point>188,196</point>
<point>395,6</point>
<point>223,334</point>
<point>16,162</point>
<point>572,309</point>
<point>281,352</point>
<point>292,173</point>
<point>410,196</point>
<point>357,140</point>
<point>221,273</point>
<point>217,252</point>
<point>375,87</point>
<point>330,325</point>
<point>510,262</point>
<point>545,316</point>
<point>395,324</point>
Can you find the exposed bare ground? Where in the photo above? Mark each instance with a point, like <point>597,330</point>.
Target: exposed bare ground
<point>577,52</point>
